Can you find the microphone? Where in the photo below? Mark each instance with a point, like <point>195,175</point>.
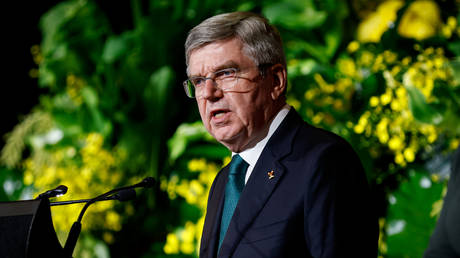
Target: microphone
<point>122,196</point>
<point>56,192</point>
<point>76,227</point>
<point>146,183</point>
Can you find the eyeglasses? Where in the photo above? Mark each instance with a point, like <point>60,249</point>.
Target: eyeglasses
<point>225,79</point>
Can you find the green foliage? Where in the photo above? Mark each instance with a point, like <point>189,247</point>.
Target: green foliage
<point>409,215</point>
<point>421,110</point>
<point>12,186</point>
<point>306,27</point>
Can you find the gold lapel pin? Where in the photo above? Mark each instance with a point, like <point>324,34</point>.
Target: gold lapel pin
<point>271,174</point>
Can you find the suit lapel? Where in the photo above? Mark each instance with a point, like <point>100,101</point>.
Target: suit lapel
<point>263,180</point>
<point>210,236</point>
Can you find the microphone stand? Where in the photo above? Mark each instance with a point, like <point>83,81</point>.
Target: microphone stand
<point>123,195</point>
<point>76,227</point>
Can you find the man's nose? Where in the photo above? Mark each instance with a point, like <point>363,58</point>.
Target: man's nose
<point>211,90</point>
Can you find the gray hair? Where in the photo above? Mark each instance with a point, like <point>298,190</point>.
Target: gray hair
<point>262,42</point>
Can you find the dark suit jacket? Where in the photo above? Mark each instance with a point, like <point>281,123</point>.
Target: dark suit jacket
<point>445,241</point>
<point>316,205</point>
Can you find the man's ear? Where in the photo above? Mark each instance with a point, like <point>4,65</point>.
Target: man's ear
<point>279,82</point>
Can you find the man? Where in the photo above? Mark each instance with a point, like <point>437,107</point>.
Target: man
<point>291,190</point>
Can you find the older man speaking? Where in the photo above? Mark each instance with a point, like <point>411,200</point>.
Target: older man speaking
<point>291,190</point>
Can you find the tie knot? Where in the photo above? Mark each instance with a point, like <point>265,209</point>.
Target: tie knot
<point>237,165</point>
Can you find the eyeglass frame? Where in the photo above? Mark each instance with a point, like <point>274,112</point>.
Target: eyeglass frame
<point>188,83</point>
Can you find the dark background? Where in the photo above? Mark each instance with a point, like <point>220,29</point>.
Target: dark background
<point>20,27</point>
<point>19,92</point>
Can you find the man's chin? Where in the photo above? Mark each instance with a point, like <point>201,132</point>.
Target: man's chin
<point>231,140</point>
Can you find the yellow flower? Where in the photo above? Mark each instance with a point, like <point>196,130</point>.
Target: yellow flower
<point>421,20</point>
<point>28,177</point>
<point>439,62</point>
<point>452,22</point>
<point>112,220</point>
<point>399,159</point>
<point>389,57</point>
<point>347,67</point>
<point>353,46</point>
<point>172,244</point>
<point>324,86</point>
<point>187,247</point>
<point>436,208</point>
<point>378,64</point>
<point>93,165</point>
<point>396,143</point>
<point>343,85</point>
<point>446,31</point>
<point>406,60</point>
<point>188,235</point>
<point>293,102</point>
<point>108,238</point>
<point>366,58</point>
<point>226,161</point>
<point>432,137</point>
<point>382,131</point>
<point>409,154</point>
<point>359,129</point>
<point>372,28</point>
<point>395,70</point>
<point>396,105</point>
<point>196,187</point>
<point>386,98</point>
<point>338,104</point>
<point>401,92</point>
<point>454,144</point>
<point>310,94</point>
<point>196,165</point>
<point>317,118</point>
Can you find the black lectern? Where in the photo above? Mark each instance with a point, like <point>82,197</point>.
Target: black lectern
<point>26,230</point>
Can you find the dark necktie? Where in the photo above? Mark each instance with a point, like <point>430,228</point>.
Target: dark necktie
<point>235,184</point>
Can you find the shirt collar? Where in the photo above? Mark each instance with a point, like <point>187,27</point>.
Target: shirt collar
<point>252,154</point>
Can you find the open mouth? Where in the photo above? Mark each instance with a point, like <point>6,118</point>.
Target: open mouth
<point>218,113</point>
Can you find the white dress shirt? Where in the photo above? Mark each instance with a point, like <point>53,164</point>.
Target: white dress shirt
<point>251,155</point>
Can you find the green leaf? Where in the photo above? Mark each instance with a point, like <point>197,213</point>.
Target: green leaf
<point>246,7</point>
<point>420,109</point>
<point>157,91</point>
<point>332,38</point>
<point>303,67</point>
<point>116,47</point>
<point>372,85</point>
<point>316,50</point>
<point>90,96</point>
<point>455,65</point>
<point>98,122</point>
<point>409,224</point>
<point>185,134</point>
<point>294,14</point>
<point>68,123</point>
<point>51,22</point>
<point>454,47</point>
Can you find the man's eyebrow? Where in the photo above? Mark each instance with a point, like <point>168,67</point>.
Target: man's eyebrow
<point>228,64</point>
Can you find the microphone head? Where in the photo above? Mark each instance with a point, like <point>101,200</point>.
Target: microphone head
<point>56,192</point>
<point>61,190</point>
<point>147,182</point>
<point>126,195</point>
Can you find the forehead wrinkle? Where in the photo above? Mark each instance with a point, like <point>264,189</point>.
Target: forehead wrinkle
<point>215,68</point>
